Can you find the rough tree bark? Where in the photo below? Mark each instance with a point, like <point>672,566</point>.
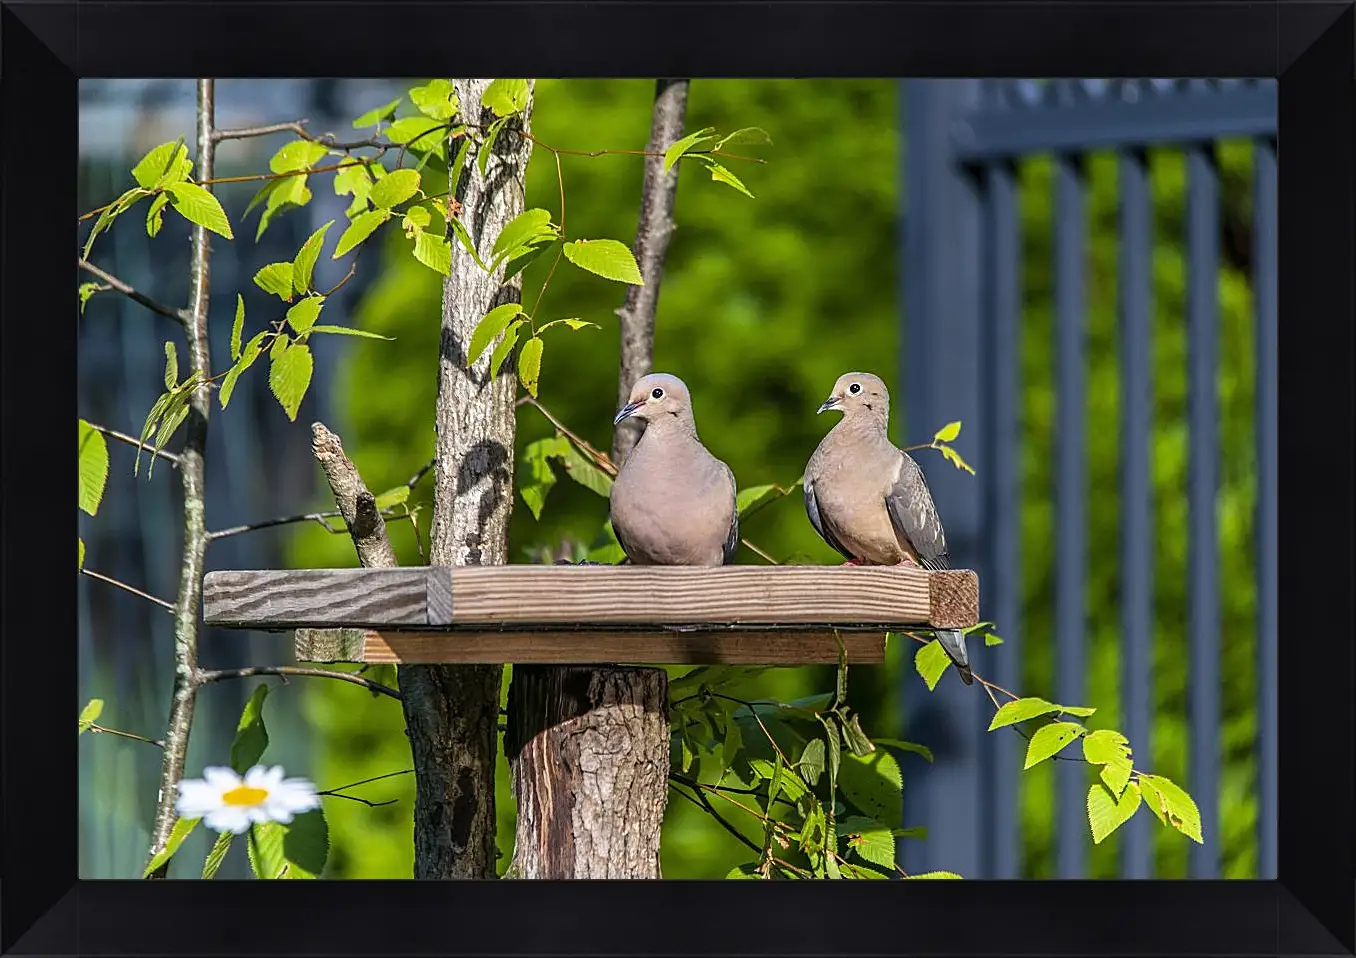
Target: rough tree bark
<point>452,712</point>
<point>589,747</point>
<point>192,477</point>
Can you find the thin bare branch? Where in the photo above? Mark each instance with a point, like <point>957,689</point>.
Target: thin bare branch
<point>168,606</point>
<point>221,675</point>
<point>132,735</point>
<point>180,316</point>
<point>133,441</point>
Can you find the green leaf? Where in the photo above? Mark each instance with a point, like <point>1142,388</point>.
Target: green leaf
<point>363,226</point>
<point>722,174</point>
<point>350,331</point>
<point>304,263</point>
<point>237,327</point>
<point>992,638</point>
<point>875,845</point>
<point>81,561</point>
<point>171,365</point>
<point>537,477</point>
<point>283,194</point>
<point>934,875</point>
<point>874,785</point>
<point>734,741</point>
<point>110,213</point>
<point>180,831</point>
<point>947,433</point>
<point>1082,711</point>
<point>86,291</point>
<point>904,746</point>
<point>743,871</point>
<point>421,134</point>
<point>93,468</point>
<point>1019,710</point>
<point>857,740</point>
<point>163,164</point>
<point>812,759</point>
<point>1106,813</point>
<point>575,324</point>
<point>505,347</point>
<point>529,364</point>
<point>289,377</point>
<point>297,155</point>
<point>505,97</point>
<point>608,258</point>
<point>198,205</point>
<point>755,496</point>
<point>1049,739</point>
<point>303,315</point>
<point>459,229</point>
<point>248,355</point>
<point>582,470</point>
<point>90,714</point>
<point>435,252</point>
<point>277,278</point>
<point>1105,745</point>
<point>416,218</point>
<point>458,165</point>
<point>217,855</point>
<point>931,661</point>
<point>251,735</point>
<point>494,323</point>
<point>264,842</point>
<point>748,136</point>
<point>436,99</point>
<point>393,497</point>
<point>687,143</point>
<point>152,418</point>
<point>521,230</point>
<point>487,148</point>
<point>355,180</point>
<point>394,188</point>
<point>952,456</point>
<point>375,116</point>
<point>155,214</point>
<point>1173,805</point>
<point>294,850</point>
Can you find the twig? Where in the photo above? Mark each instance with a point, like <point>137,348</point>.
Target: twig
<point>758,551</point>
<point>600,459</point>
<point>167,606</point>
<point>319,517</point>
<point>131,735</point>
<point>219,675</point>
<point>180,316</point>
<point>133,441</point>
<point>701,801</point>
<point>366,781</point>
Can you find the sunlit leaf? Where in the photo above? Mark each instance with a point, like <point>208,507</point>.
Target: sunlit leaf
<point>608,258</point>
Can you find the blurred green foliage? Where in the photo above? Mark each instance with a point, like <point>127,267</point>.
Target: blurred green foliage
<point>764,303</point>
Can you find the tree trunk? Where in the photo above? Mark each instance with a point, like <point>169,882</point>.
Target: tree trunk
<point>452,712</point>
<point>589,747</point>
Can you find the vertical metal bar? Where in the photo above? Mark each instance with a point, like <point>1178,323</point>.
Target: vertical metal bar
<point>1203,226</point>
<point>1003,506</point>
<point>1266,386</point>
<point>942,263</point>
<point>1070,501</point>
<point>1136,514</point>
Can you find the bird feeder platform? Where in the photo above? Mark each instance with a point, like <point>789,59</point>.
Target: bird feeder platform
<point>594,614</point>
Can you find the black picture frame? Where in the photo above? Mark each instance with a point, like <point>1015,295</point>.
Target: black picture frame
<point>46,46</point>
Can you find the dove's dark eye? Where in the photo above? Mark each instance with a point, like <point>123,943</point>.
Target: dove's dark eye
<point>855,388</point>
<point>657,393</point>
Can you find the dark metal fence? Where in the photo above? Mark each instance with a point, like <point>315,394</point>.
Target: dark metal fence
<point>963,296</point>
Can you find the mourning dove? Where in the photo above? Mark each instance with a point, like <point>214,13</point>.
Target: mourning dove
<point>869,500</point>
<point>673,503</point>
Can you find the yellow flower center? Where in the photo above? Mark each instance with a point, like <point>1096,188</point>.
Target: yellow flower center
<point>244,795</point>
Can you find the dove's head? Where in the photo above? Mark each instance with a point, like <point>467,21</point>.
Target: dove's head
<point>657,398</point>
<point>859,394</point>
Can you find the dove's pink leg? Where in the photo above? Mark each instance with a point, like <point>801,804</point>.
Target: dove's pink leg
<point>852,562</point>
<point>907,561</point>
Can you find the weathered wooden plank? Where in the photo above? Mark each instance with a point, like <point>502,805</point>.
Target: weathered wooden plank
<point>330,645</point>
<point>545,597</point>
<point>298,598</point>
<point>622,648</point>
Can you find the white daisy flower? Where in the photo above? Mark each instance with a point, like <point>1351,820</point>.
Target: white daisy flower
<point>228,803</point>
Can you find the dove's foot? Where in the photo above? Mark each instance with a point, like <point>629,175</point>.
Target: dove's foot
<point>853,562</point>
<point>907,563</point>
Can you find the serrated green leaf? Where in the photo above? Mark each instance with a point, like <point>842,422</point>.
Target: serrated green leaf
<point>435,252</point>
<point>537,477</point>
<point>582,470</point>
<point>278,279</point>
<point>217,855</point>
<point>467,243</point>
<point>264,843</point>
<point>393,497</point>
<point>421,134</point>
<point>436,99</point>
<point>289,376</point>
<point>304,263</point>
<point>199,206</point>
<point>456,167</point>
<point>238,326</point>
<point>297,849</point>
<point>904,746</point>
<point>505,347</point>
<point>248,355</point>
<point>608,258</point>
<point>1105,745</point>
<point>297,155</point>
<point>350,331</point>
<point>112,212</point>
<point>90,714</point>
<point>722,174</point>
<point>952,456</point>
<point>875,845</point>
<point>1049,739</point>
<point>856,739</point>
<point>733,742</point>
<point>81,561</point>
<point>524,232</point>
<point>394,188</point>
<point>303,315</point>
<point>529,364</point>
<point>934,875</point>
<point>930,662</point>
<point>175,415</point>
<point>811,762</point>
<point>505,97</point>
<point>1106,813</point>
<point>416,219</point>
<point>1019,710</point>
<point>1172,805</point>
<point>679,147</point>
<point>487,148</point>
<point>171,365</point>
<point>748,136</point>
<point>86,291</point>
<point>280,343</point>
<point>251,735</point>
<point>755,496</point>
<point>874,785</point>
<point>181,830</point>
<point>155,214</point>
<point>165,163</point>
<point>375,116</point>
<point>355,180</point>
<point>575,324</point>
<point>152,419</point>
<point>363,226</point>
<point>743,872</point>
<point>1082,711</point>
<point>493,323</point>
<point>93,468</point>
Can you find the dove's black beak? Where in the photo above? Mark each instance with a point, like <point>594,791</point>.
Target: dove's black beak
<point>627,411</point>
<point>830,403</point>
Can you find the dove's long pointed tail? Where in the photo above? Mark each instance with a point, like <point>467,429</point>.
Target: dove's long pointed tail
<point>953,641</point>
